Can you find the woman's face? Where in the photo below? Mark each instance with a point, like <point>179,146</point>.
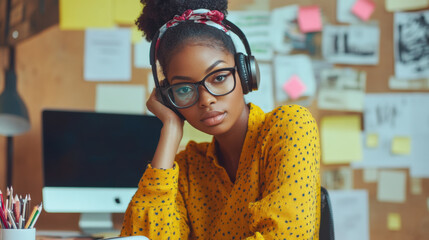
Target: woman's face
<point>213,115</point>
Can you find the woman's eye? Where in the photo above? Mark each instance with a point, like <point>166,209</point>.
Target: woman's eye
<point>220,78</point>
<point>184,90</point>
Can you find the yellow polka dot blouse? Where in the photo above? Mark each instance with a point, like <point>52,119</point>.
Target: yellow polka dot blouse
<point>276,194</point>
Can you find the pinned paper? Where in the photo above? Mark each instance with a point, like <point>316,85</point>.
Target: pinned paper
<point>107,54</point>
<point>402,5</point>
<point>190,133</point>
<point>401,145</point>
<point>394,221</point>
<point>309,19</point>
<point>294,87</point>
<point>416,186</point>
<point>391,186</point>
<point>81,14</point>
<point>370,175</point>
<point>341,139</point>
<point>126,11</point>
<point>363,9</point>
<point>372,140</point>
<point>141,54</point>
<point>120,98</point>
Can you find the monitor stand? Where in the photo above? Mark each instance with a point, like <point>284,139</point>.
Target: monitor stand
<point>92,223</point>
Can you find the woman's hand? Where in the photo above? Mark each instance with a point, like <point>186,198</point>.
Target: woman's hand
<point>171,133</point>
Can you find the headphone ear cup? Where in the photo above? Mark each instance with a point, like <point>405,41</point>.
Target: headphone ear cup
<point>255,75</point>
<point>241,63</point>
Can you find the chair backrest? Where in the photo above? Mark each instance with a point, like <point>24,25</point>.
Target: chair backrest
<point>326,231</point>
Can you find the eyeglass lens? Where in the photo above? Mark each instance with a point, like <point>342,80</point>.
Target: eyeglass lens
<point>217,83</point>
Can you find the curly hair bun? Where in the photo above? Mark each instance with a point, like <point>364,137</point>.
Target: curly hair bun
<point>157,12</point>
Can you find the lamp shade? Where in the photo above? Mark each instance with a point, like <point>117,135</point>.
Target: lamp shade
<point>14,118</point>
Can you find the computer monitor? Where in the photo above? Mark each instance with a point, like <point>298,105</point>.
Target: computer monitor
<point>93,162</point>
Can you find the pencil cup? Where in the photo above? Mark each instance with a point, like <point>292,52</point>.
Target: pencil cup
<point>18,234</point>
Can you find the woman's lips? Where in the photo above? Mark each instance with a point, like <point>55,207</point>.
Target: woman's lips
<point>213,118</point>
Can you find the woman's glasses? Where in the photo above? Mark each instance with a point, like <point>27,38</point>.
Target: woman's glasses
<point>218,83</point>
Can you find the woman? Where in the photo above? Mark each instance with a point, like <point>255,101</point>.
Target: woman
<point>257,179</point>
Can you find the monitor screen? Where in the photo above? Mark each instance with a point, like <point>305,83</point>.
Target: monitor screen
<point>89,149</point>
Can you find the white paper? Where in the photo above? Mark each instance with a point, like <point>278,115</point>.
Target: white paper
<point>408,84</point>
<point>342,89</point>
<point>344,12</point>
<point>370,175</point>
<point>141,54</point>
<point>286,66</point>
<point>107,54</point>
<point>120,98</point>
<point>411,31</point>
<point>255,25</point>
<point>354,44</point>
<point>284,28</point>
<point>263,97</point>
<point>351,214</point>
<point>397,114</point>
<point>391,186</point>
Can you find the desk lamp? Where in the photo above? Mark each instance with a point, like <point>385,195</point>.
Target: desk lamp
<point>13,113</point>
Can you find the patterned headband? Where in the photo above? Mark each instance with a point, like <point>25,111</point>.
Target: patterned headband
<point>209,17</point>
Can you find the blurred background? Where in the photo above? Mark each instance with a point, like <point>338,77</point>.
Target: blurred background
<point>360,66</point>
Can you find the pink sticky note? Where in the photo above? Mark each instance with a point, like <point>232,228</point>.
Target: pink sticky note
<point>294,87</point>
<point>363,9</point>
<point>309,19</point>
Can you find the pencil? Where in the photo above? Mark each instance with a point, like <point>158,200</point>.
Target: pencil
<point>33,222</point>
<point>1,199</point>
<point>31,217</point>
<point>12,220</point>
<point>3,219</point>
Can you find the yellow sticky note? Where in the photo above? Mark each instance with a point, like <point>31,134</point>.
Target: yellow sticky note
<point>394,221</point>
<point>190,133</point>
<point>401,5</point>
<point>136,35</point>
<point>82,14</point>
<point>341,139</point>
<point>372,140</point>
<point>401,145</point>
<point>126,11</point>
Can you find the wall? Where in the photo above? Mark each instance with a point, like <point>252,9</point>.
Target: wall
<point>50,70</point>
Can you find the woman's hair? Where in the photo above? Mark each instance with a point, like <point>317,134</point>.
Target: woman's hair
<point>157,12</point>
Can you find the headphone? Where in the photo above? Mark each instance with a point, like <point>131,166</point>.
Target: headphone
<point>247,67</point>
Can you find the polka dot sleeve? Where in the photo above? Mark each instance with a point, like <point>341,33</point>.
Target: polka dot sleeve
<point>290,193</point>
<point>157,209</point>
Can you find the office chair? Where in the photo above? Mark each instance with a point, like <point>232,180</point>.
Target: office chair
<point>326,231</point>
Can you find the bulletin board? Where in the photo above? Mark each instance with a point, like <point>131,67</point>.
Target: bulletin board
<point>50,75</point>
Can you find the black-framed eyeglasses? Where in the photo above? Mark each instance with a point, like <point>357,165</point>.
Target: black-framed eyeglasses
<point>218,83</point>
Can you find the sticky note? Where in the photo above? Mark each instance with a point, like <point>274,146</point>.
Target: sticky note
<point>190,133</point>
<point>370,175</point>
<point>120,98</point>
<point>136,35</point>
<point>416,186</point>
<point>294,87</point>
<point>309,19</point>
<point>126,11</point>
<point>341,139</point>
<point>401,145</point>
<point>401,5</point>
<point>394,221</point>
<point>363,9</point>
<point>82,14</point>
<point>372,140</point>
<point>391,186</point>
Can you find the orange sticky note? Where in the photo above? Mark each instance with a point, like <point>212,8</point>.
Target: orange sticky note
<point>363,9</point>
<point>309,19</point>
<point>294,87</point>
